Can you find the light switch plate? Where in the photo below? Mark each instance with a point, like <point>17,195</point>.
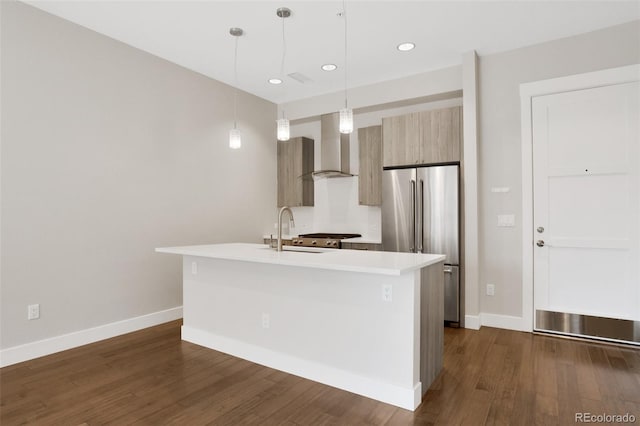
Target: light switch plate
<point>503,189</point>
<point>506,220</point>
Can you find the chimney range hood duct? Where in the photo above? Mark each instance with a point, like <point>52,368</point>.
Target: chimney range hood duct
<point>334,149</point>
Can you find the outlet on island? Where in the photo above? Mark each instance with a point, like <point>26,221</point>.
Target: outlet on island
<point>387,293</point>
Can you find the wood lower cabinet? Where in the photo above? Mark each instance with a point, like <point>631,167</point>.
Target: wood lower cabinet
<point>370,175</point>
<point>361,246</point>
<point>295,165</point>
<point>274,242</point>
<point>425,137</point>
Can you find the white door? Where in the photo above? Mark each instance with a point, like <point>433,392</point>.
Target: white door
<point>586,191</point>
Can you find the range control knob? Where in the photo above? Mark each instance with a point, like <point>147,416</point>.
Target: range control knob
<point>314,242</point>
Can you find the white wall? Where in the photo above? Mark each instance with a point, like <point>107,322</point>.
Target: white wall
<point>500,145</point>
<point>336,207</point>
<point>107,153</point>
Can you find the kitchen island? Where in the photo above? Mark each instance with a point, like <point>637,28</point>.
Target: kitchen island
<point>366,322</point>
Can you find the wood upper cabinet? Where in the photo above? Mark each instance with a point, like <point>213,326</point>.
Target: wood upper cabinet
<point>295,165</point>
<point>401,136</point>
<point>370,156</point>
<point>422,138</point>
<point>440,135</point>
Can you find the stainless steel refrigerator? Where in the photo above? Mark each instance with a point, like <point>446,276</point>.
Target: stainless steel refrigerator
<point>420,214</point>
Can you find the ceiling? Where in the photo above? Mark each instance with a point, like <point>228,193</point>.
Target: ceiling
<point>195,34</point>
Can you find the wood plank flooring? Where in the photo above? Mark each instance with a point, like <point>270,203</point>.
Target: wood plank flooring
<point>151,377</point>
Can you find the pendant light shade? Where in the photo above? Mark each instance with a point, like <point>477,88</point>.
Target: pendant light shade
<point>282,124</point>
<point>235,141</point>
<point>346,120</point>
<point>283,129</point>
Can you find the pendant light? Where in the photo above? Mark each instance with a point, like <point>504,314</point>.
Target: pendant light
<point>283,129</point>
<point>346,113</point>
<point>235,141</point>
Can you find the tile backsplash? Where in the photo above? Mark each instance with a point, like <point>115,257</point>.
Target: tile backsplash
<point>337,210</point>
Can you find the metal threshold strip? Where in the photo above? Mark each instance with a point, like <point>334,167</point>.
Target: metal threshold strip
<point>577,325</point>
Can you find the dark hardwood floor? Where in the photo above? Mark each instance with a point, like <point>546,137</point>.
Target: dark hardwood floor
<point>151,377</point>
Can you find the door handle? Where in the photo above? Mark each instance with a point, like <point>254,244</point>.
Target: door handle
<point>448,269</point>
<point>540,243</point>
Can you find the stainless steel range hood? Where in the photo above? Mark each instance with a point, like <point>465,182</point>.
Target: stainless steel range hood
<point>334,149</point>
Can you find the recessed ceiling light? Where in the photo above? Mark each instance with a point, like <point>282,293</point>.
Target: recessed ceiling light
<point>275,81</point>
<point>405,47</point>
<point>329,67</point>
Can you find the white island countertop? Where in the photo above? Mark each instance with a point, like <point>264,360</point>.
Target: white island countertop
<point>374,262</point>
<point>363,240</point>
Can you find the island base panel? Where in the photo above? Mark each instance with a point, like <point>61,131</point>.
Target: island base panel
<point>329,326</point>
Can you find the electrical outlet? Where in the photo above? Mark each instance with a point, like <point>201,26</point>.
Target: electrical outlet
<point>387,293</point>
<point>194,268</point>
<point>33,311</point>
<point>265,320</point>
<point>491,289</point>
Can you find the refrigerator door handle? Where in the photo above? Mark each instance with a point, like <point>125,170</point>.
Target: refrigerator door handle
<point>421,217</point>
<point>413,216</point>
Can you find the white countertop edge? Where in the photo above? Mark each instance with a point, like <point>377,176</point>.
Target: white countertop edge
<point>339,260</point>
<point>362,240</point>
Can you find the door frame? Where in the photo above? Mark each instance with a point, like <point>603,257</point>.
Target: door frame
<point>528,91</point>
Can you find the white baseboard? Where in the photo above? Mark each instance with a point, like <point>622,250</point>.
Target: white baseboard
<point>472,322</point>
<point>408,398</point>
<point>503,321</point>
<point>55,344</point>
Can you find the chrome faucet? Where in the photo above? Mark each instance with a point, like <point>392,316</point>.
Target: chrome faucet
<point>291,223</point>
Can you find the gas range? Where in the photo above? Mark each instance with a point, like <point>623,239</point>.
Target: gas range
<point>325,240</point>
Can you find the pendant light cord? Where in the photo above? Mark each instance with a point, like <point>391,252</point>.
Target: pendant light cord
<point>344,13</point>
<point>235,84</point>
<point>284,52</point>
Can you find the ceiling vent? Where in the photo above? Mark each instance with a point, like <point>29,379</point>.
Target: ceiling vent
<point>300,78</point>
